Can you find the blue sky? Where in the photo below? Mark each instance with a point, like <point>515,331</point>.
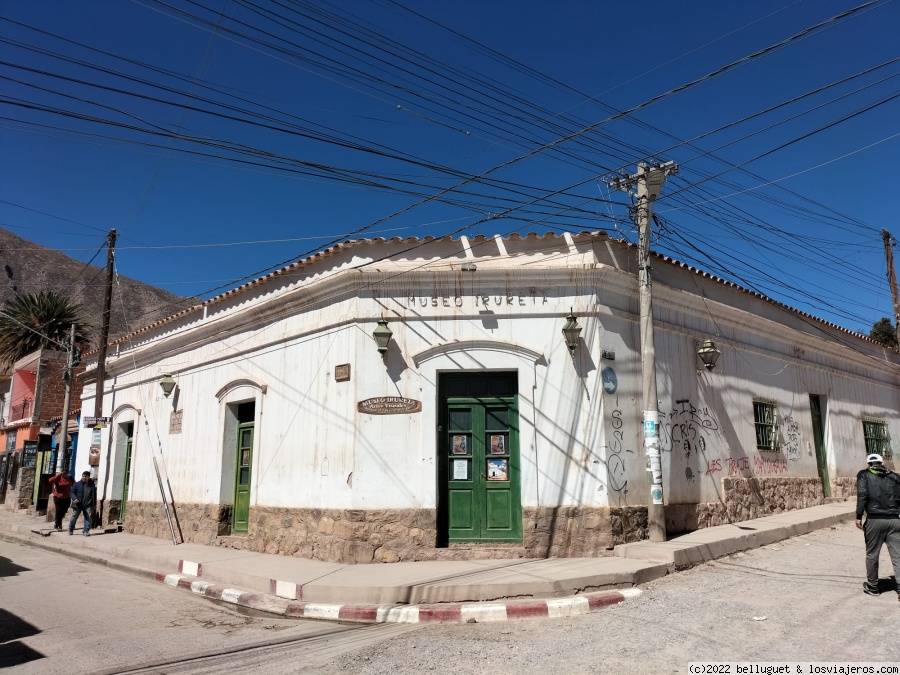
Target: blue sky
<point>194,125</point>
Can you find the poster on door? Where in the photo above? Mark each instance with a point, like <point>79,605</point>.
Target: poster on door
<point>460,447</point>
<point>498,444</point>
<point>498,469</point>
<point>460,469</point>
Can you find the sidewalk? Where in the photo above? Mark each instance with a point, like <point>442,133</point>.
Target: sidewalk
<point>416,591</point>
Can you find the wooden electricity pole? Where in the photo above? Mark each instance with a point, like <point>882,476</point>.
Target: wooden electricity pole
<point>892,278</point>
<point>104,328</point>
<point>648,181</point>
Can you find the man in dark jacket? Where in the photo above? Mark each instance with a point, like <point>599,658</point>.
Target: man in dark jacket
<point>878,495</point>
<point>84,499</point>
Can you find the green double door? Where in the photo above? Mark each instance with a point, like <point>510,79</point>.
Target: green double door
<point>479,471</point>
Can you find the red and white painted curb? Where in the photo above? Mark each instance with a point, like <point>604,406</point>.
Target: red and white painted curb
<point>473,612</point>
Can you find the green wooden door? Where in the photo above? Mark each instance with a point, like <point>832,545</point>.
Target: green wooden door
<point>240,514</point>
<point>479,470</point>
<point>815,406</point>
<point>126,478</point>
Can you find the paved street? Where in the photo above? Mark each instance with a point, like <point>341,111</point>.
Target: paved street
<point>63,616</point>
<point>809,589</point>
<point>58,615</point>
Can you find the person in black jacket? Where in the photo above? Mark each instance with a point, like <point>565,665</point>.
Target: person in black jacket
<point>878,495</point>
<point>84,499</point>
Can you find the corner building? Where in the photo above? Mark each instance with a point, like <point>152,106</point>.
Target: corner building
<point>478,432</point>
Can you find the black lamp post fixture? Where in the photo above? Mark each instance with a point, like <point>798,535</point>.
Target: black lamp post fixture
<point>167,384</point>
<point>571,331</point>
<point>709,354</point>
<point>382,335</point>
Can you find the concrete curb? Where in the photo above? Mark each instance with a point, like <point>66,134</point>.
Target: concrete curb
<point>475,612</point>
<point>707,544</point>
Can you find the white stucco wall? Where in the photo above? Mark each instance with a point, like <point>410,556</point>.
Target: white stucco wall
<point>278,343</point>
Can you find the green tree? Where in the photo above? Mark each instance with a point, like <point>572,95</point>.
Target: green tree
<point>883,331</point>
<point>25,319</point>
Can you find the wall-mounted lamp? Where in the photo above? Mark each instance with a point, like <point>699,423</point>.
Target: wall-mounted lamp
<point>571,331</point>
<point>469,267</point>
<point>382,335</point>
<point>709,354</point>
<point>167,384</point>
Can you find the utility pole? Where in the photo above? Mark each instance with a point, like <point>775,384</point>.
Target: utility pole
<point>101,369</point>
<point>892,278</point>
<point>104,328</point>
<point>62,440</point>
<point>649,181</point>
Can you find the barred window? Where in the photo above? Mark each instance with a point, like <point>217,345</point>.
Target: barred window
<point>765,418</point>
<point>875,433</point>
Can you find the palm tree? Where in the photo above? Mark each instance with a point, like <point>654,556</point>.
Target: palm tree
<point>26,321</point>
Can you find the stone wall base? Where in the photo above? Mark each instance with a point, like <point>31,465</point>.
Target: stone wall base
<point>20,489</point>
<point>393,535</point>
<point>388,535</point>
<point>194,523</point>
<point>746,499</point>
<point>844,488</point>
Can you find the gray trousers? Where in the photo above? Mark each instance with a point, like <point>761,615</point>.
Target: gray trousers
<point>880,531</point>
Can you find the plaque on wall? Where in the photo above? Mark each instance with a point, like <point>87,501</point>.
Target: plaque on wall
<point>175,421</point>
<point>389,405</point>
<point>342,372</point>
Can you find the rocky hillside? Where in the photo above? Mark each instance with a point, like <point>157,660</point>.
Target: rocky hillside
<point>26,267</point>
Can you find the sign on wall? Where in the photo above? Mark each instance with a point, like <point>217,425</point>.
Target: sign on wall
<point>96,422</point>
<point>175,421</point>
<point>389,405</point>
<point>29,456</point>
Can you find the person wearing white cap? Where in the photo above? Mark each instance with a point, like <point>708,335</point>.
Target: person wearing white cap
<point>878,496</point>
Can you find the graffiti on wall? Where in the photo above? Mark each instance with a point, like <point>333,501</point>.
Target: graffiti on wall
<point>741,466</point>
<point>686,428</point>
<point>791,439</point>
<point>616,455</point>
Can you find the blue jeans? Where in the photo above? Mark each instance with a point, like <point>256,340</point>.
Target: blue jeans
<point>78,508</point>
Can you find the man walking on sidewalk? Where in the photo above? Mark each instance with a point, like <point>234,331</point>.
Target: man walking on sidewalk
<point>878,495</point>
<point>62,497</point>
<point>84,498</point>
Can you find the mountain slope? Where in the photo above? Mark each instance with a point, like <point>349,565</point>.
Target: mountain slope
<point>26,267</point>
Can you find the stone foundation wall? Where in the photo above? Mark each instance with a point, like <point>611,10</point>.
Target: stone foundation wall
<point>392,535</point>
<point>844,488</point>
<point>383,535</point>
<point>8,489</point>
<point>112,509</point>
<point>580,531</point>
<point>196,523</point>
<point>20,490</point>
<point>746,499</point>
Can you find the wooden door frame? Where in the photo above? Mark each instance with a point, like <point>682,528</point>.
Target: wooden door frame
<point>819,443</point>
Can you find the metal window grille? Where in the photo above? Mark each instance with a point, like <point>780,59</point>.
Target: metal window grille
<point>876,435</point>
<point>765,418</point>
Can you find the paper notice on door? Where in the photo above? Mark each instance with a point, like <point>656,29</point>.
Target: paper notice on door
<point>460,469</point>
